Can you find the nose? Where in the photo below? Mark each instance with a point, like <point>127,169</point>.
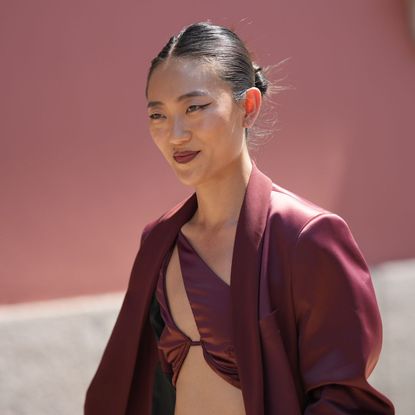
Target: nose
<point>179,132</point>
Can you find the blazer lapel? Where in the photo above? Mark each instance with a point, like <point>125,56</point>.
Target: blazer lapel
<point>115,373</point>
<point>245,288</point>
<point>108,392</point>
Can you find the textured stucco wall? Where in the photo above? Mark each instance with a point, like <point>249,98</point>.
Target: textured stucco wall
<point>80,175</point>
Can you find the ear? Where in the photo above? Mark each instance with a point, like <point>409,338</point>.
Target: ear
<point>252,106</point>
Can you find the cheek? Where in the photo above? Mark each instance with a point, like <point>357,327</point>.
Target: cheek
<point>158,133</point>
<point>212,124</point>
<point>222,133</point>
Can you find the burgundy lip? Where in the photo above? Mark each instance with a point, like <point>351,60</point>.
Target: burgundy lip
<point>184,153</point>
<point>185,157</point>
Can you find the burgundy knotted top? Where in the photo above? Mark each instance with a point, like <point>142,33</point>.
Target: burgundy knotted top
<point>209,298</point>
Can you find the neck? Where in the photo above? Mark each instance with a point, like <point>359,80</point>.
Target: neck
<point>220,200</point>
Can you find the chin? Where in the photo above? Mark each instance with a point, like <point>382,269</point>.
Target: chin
<point>189,178</point>
<point>189,181</point>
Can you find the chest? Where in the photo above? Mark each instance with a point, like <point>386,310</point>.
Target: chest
<point>214,253</point>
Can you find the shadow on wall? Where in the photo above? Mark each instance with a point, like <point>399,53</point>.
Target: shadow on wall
<point>50,351</point>
<point>410,13</point>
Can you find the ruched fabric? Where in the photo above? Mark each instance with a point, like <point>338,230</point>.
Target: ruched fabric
<point>209,298</point>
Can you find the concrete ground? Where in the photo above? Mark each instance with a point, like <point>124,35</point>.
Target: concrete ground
<point>50,351</point>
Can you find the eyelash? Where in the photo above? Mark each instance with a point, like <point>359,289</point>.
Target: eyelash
<point>201,107</point>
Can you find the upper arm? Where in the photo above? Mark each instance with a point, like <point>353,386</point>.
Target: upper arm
<point>338,319</point>
<point>146,230</point>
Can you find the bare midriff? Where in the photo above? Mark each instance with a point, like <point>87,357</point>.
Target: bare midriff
<point>199,389</point>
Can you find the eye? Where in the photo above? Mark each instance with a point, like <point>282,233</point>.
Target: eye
<point>196,107</point>
<point>191,108</point>
<point>155,116</point>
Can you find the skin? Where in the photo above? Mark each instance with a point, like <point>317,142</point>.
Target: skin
<point>219,175</point>
<point>220,172</point>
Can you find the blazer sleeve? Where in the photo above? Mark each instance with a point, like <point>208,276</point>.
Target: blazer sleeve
<point>145,232</point>
<point>148,227</point>
<point>338,321</point>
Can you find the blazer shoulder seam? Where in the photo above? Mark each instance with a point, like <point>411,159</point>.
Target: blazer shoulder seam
<point>310,221</point>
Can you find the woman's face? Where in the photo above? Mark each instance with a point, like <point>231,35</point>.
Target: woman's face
<point>191,109</point>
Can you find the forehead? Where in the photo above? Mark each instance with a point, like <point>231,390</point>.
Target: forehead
<point>176,77</point>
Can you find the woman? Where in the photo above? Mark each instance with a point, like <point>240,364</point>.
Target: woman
<point>244,299</point>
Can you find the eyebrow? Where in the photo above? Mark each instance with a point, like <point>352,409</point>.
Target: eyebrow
<point>196,93</point>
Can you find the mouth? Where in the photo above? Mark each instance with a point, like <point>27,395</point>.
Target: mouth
<point>185,156</point>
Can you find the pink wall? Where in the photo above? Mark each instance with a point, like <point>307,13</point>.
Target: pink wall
<point>80,175</point>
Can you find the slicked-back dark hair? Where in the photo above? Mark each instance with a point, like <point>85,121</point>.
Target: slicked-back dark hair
<point>221,47</point>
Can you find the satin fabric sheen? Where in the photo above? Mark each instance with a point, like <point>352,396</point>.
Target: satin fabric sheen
<point>209,298</point>
<point>306,327</point>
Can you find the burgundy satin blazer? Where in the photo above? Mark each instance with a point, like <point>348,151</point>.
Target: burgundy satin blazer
<point>307,330</point>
